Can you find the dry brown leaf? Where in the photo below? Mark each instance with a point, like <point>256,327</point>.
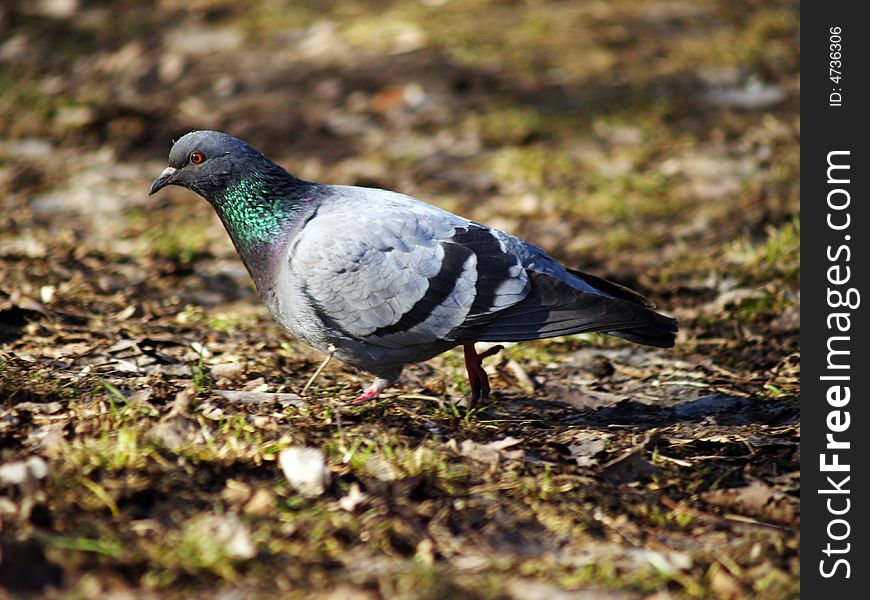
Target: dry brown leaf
<point>757,500</point>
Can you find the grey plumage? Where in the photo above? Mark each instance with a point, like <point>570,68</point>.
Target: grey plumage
<point>386,279</point>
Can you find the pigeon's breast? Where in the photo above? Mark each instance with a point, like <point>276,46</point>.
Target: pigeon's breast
<point>295,310</point>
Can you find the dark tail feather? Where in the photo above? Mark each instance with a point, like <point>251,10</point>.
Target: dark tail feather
<point>661,337</point>
<point>553,307</point>
<point>614,289</point>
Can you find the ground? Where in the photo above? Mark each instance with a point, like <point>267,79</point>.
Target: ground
<point>148,398</point>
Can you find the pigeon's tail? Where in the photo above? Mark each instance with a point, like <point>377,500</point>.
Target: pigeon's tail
<point>554,307</point>
<point>660,336</point>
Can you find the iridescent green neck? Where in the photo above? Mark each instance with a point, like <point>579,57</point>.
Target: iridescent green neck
<point>253,212</point>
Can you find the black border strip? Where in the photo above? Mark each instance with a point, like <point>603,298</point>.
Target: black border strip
<point>835,263</point>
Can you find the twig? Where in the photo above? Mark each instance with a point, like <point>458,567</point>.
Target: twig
<point>750,521</point>
<point>712,518</point>
<point>420,397</point>
<point>331,351</point>
<point>686,382</point>
<point>525,382</point>
<point>416,416</point>
<point>244,397</point>
<point>676,461</point>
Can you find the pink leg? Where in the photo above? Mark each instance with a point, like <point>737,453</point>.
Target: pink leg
<point>372,392</point>
<point>477,377</point>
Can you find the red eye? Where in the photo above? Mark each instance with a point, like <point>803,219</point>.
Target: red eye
<point>196,157</point>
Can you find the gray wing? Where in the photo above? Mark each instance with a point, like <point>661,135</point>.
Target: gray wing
<point>393,271</point>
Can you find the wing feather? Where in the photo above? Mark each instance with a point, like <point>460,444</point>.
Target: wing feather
<point>404,272</point>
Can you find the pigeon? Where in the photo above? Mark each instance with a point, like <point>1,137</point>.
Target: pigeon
<point>380,279</point>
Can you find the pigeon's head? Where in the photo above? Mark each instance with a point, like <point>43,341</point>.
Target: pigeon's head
<point>207,162</point>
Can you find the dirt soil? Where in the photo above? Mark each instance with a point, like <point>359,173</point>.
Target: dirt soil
<point>151,408</point>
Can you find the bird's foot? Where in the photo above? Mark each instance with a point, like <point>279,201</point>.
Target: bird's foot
<point>477,377</point>
<point>370,393</point>
<point>373,391</point>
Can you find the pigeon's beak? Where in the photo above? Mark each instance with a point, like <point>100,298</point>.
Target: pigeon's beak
<point>164,179</point>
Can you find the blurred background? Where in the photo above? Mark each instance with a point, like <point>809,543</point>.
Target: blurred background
<point>655,143</point>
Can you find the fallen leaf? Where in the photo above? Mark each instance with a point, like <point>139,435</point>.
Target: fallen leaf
<point>757,500</point>
<point>587,444</point>
<point>305,470</point>
<point>261,503</point>
<point>258,397</point>
<point>354,498</point>
<point>492,452</point>
<point>174,431</point>
<point>227,532</point>
<point>25,474</point>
